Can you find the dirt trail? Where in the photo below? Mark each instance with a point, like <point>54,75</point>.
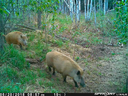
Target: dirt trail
<point>108,74</point>
<point>115,72</point>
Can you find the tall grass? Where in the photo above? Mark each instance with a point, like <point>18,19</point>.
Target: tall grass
<point>13,57</point>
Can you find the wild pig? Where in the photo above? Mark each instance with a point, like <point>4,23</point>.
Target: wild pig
<point>16,38</point>
<point>65,66</point>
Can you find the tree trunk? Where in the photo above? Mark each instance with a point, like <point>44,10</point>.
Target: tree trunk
<point>60,3</point>
<point>95,11</point>
<point>39,19</point>
<point>77,11</point>
<point>105,6</point>
<point>71,9</point>
<point>1,31</point>
<point>85,10</point>
<point>100,5</point>
<point>90,9</point>
<point>62,6</point>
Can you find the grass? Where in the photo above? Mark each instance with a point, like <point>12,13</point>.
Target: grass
<point>15,72</point>
<point>12,88</point>
<point>14,57</point>
<point>59,43</point>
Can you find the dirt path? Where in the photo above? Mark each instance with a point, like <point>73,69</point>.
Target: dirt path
<point>114,72</point>
<point>108,74</point>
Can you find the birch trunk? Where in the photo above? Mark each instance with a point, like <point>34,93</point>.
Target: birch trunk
<point>71,10</point>
<point>104,7</point>
<point>85,10</point>
<point>77,11</point>
<point>90,9</point>
<point>95,11</point>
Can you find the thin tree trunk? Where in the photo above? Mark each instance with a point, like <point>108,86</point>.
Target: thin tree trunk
<point>100,5</point>
<point>39,19</point>
<point>77,12</point>
<point>85,10</point>
<point>62,6</point>
<point>104,7</point>
<point>90,9</point>
<point>79,9</point>
<point>60,3</point>
<point>1,31</point>
<point>95,11</point>
<point>71,9</point>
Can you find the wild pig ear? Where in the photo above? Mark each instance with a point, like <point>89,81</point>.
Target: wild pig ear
<point>78,72</point>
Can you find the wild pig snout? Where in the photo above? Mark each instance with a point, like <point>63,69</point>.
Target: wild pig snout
<point>25,42</point>
<point>82,83</point>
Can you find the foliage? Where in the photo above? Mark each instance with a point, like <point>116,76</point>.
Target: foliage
<point>121,22</point>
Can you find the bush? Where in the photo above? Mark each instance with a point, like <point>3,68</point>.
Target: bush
<point>121,25</point>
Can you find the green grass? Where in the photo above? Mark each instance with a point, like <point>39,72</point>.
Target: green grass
<point>14,57</point>
<point>59,43</point>
<point>15,72</point>
<point>27,76</point>
<point>52,90</point>
<point>12,88</point>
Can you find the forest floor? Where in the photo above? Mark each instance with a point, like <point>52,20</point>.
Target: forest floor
<point>105,62</point>
<point>105,69</point>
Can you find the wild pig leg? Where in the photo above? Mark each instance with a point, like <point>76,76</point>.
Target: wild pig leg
<point>64,78</point>
<point>75,83</point>
<point>53,71</point>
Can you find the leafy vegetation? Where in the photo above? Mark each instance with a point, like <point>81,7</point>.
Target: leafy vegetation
<point>121,21</point>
